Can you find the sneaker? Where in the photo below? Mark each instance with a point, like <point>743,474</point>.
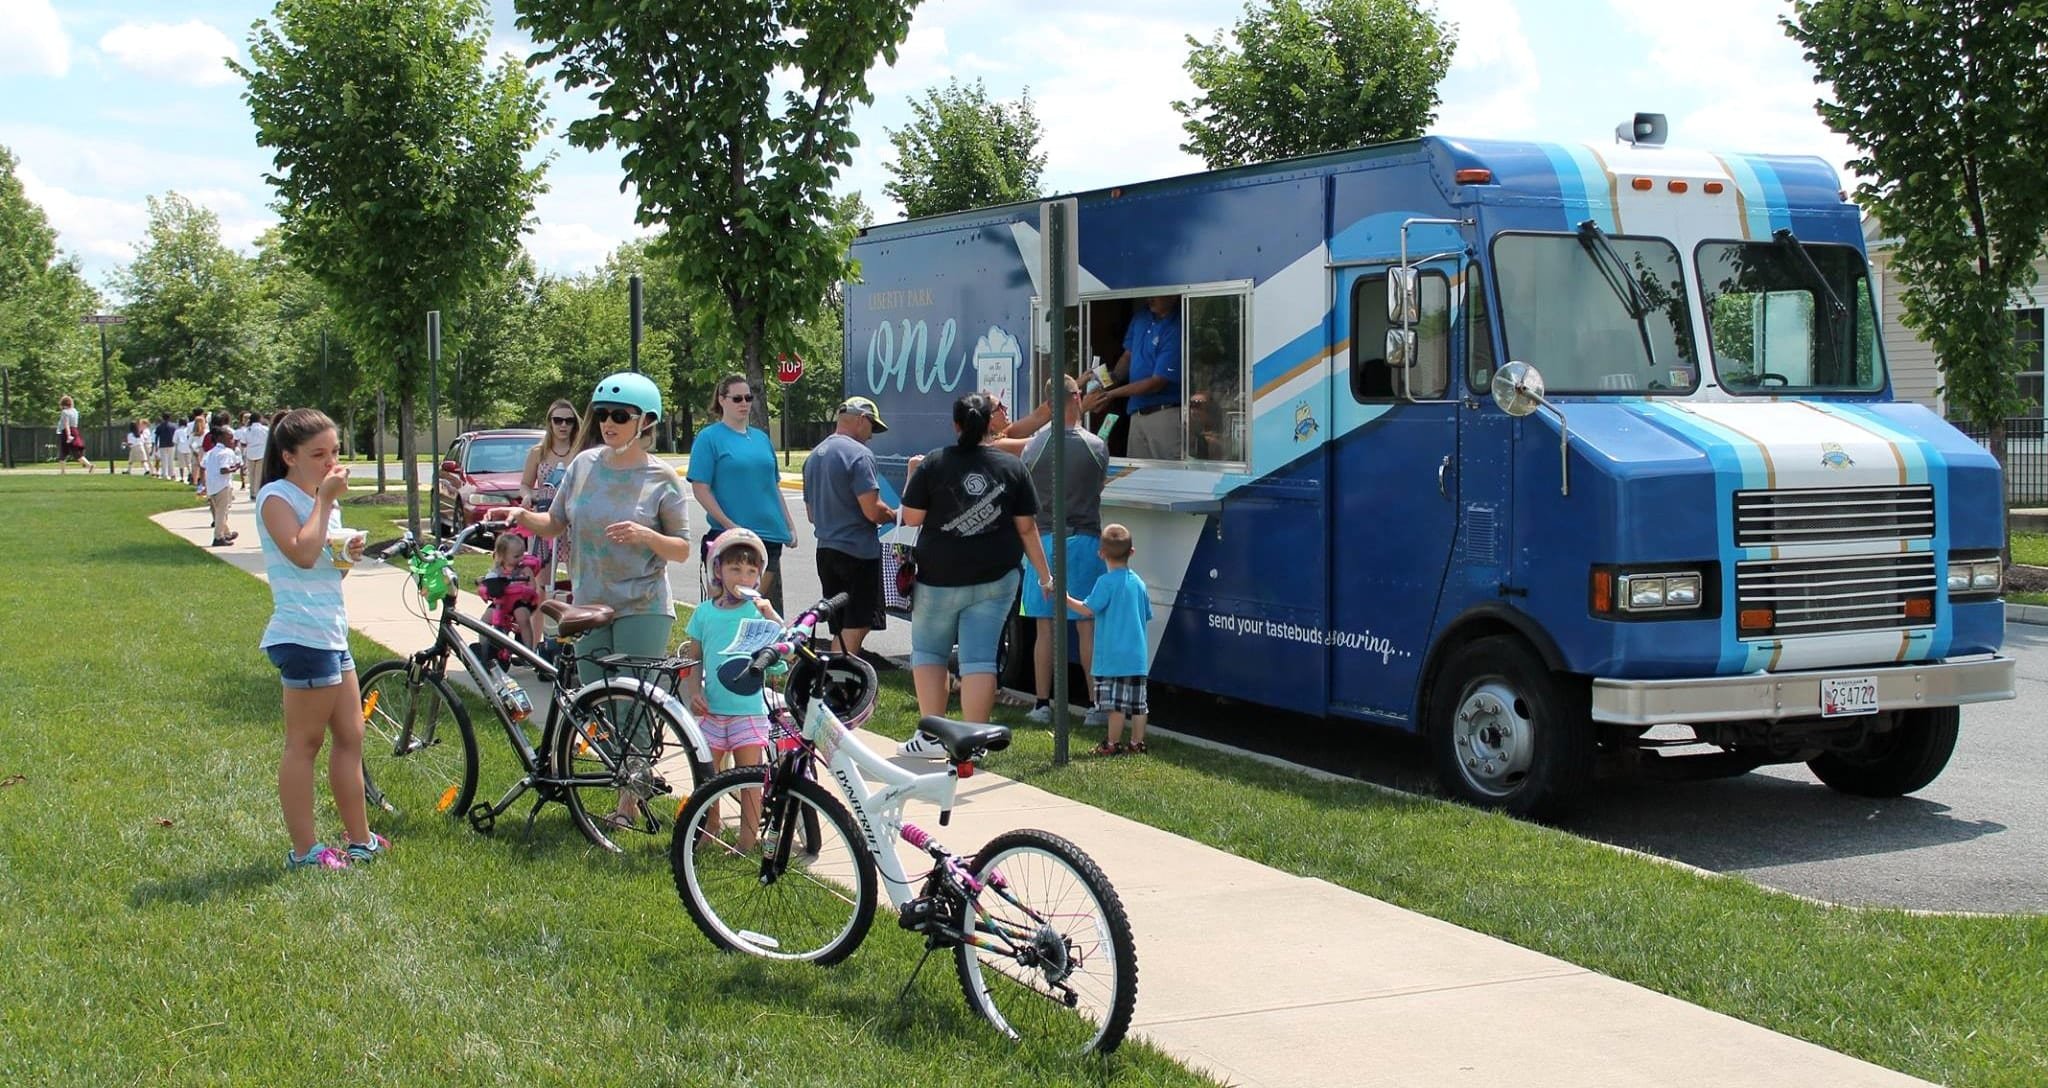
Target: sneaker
<point>368,851</point>
<point>317,856</point>
<point>1042,713</point>
<point>1096,716</point>
<point>921,746</point>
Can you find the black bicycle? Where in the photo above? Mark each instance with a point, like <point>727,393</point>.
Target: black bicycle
<point>616,752</point>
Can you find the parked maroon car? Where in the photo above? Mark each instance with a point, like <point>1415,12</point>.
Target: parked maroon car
<point>480,472</point>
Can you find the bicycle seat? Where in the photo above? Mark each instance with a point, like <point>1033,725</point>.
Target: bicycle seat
<point>965,740</point>
<point>574,619</point>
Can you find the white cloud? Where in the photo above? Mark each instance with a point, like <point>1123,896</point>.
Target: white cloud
<point>920,63</point>
<point>32,40</point>
<point>192,52</point>
<point>581,219</point>
<point>101,231</point>
<point>1491,88</point>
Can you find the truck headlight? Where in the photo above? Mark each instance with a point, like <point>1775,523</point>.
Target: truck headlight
<point>1659,591</point>
<point>1975,576</point>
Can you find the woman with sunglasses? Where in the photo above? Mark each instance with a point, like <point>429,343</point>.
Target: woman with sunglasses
<point>734,476</point>
<point>546,463</point>
<point>625,518</point>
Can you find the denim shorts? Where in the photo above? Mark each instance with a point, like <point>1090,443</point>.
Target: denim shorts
<point>970,616</point>
<point>306,667</point>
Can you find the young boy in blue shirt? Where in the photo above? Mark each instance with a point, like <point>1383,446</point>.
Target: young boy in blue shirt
<point>1121,608</point>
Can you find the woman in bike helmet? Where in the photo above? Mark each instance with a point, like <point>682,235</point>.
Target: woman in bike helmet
<point>626,519</point>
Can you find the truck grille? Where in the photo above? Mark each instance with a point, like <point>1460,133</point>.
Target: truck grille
<point>1833,515</point>
<point>1827,596</point>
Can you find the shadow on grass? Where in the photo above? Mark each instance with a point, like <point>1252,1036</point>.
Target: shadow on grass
<point>206,886</point>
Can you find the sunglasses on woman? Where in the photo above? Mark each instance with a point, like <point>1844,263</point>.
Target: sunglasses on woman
<point>614,415</point>
<point>740,398</point>
<point>563,421</point>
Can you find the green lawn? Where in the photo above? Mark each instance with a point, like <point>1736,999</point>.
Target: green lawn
<point>2030,548</point>
<point>152,936</point>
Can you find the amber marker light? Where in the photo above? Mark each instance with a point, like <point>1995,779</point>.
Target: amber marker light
<point>1675,185</point>
<point>1642,184</point>
<point>1603,591</point>
<point>1714,188</point>
<point>1919,608</point>
<point>1755,619</point>
<point>1473,176</point>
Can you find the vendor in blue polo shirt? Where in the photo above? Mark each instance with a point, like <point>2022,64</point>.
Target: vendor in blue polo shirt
<point>1152,393</point>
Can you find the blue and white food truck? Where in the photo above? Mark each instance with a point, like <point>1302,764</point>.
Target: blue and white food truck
<point>1539,450</point>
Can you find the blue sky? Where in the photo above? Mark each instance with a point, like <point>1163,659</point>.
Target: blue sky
<point>106,102</point>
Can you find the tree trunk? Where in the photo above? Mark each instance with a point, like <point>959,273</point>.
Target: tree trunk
<point>752,356</point>
<point>348,441</point>
<point>408,464</point>
<point>377,443</point>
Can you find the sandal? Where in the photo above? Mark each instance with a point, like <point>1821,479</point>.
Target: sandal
<point>1136,748</point>
<point>1106,749</point>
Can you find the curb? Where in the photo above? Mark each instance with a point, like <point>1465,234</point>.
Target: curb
<point>2036,614</point>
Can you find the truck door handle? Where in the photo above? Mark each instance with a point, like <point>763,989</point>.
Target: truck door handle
<point>1441,468</point>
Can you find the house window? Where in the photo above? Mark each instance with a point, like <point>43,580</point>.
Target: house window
<point>2027,332</point>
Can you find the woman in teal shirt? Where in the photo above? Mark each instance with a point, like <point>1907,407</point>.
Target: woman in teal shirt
<point>734,476</point>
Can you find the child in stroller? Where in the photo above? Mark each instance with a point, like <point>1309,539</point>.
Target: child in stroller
<point>514,596</point>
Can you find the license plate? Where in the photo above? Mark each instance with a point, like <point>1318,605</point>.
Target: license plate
<point>1846,697</point>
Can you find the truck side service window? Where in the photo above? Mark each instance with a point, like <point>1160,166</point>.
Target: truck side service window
<point>1479,361</point>
<point>1212,378</point>
<point>1371,380</point>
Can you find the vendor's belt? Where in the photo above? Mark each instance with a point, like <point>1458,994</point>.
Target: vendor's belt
<point>1155,408</point>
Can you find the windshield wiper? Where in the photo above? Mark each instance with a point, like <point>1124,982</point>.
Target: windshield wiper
<point>1623,281</point>
<point>1837,311</point>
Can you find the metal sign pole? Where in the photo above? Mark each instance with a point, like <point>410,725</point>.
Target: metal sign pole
<point>434,407</point>
<point>6,414</point>
<point>1057,221</point>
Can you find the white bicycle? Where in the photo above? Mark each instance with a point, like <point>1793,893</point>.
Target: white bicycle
<point>1041,944</point>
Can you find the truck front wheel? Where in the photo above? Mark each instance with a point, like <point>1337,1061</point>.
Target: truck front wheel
<point>1890,764</point>
<point>1507,733</point>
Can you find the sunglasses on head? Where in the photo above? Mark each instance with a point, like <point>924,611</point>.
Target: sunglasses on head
<point>615,415</point>
<point>563,421</point>
<point>740,398</point>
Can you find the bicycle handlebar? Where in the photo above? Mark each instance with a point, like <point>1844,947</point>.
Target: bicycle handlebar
<point>745,677</point>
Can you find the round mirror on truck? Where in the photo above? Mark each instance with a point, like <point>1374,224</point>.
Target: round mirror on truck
<point>1518,388</point>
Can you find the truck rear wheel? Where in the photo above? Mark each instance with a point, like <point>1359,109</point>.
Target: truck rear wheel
<point>1897,762</point>
<point>1508,734</point>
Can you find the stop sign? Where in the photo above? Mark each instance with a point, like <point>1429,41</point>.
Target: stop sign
<point>788,368</point>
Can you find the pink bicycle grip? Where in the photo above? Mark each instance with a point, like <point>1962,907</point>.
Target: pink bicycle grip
<point>916,836</point>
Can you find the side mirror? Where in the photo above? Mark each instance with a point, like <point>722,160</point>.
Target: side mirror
<point>1404,296</point>
<point>1400,348</point>
<point>450,467</point>
<point>1518,389</point>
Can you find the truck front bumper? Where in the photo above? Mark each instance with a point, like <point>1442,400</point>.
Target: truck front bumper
<point>1777,696</point>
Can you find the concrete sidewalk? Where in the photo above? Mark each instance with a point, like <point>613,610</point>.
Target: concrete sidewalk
<point>1262,978</point>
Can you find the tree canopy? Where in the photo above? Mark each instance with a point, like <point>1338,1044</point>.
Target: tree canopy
<point>961,150</point>
<point>1946,103</point>
<point>192,307</point>
<point>734,118</point>
<point>1296,77</point>
<point>46,352</point>
<point>400,165</point>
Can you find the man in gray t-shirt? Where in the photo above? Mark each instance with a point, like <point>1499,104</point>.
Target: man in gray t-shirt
<point>844,501</point>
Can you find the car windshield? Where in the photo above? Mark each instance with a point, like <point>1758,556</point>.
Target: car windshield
<point>498,455</point>
<point>1597,313</point>
<point>1788,317</point>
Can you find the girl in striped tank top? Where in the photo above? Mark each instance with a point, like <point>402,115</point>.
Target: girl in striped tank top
<point>305,555</point>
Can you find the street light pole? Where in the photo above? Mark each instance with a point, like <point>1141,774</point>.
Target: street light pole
<point>106,377</point>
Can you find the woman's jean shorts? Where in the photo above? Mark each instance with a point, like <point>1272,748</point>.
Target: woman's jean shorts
<point>306,667</point>
<point>970,616</point>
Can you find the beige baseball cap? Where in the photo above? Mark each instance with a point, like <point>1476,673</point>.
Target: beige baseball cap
<point>862,406</point>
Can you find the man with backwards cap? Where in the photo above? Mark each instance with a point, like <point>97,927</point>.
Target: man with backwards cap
<point>844,498</point>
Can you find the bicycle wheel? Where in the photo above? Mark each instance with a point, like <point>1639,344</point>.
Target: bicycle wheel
<point>1056,963</point>
<point>779,899</point>
<point>419,751</point>
<point>628,763</point>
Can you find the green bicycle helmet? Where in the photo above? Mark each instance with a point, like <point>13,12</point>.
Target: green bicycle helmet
<point>630,389</point>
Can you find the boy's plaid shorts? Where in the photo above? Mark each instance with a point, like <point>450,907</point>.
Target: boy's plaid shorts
<point>1123,694</point>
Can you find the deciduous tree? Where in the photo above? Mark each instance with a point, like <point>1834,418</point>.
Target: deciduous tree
<point>961,150</point>
<point>1946,103</point>
<point>1295,77</point>
<point>400,166</point>
<point>192,308</point>
<point>734,118</point>
<point>46,352</point>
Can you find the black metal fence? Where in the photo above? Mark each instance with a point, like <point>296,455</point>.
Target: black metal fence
<point>2026,458</point>
<point>27,444</point>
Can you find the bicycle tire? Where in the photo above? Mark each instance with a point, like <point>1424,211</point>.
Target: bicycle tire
<point>1074,922</point>
<point>592,743</point>
<point>434,772</point>
<point>796,916</point>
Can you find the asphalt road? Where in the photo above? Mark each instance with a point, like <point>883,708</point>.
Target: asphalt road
<point>1974,840</point>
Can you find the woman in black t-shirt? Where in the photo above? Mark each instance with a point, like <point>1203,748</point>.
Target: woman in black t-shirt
<point>974,507</point>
